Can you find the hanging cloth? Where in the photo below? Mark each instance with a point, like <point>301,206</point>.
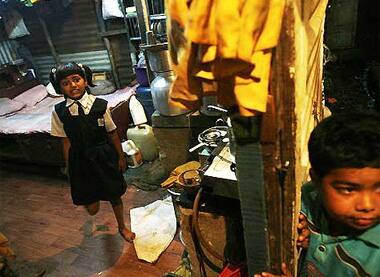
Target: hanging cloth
<point>223,48</point>
<point>14,24</point>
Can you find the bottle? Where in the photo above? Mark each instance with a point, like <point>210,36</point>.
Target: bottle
<point>133,153</point>
<point>137,111</point>
<point>142,135</point>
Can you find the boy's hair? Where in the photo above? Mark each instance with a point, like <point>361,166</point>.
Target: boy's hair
<point>63,70</point>
<point>347,140</point>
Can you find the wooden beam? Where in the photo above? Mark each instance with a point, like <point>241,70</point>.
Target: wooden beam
<point>112,33</point>
<point>107,43</point>
<point>131,48</point>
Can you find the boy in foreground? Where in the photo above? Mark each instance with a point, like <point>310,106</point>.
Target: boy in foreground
<point>342,203</point>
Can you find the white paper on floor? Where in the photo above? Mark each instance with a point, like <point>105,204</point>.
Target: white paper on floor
<point>155,226</point>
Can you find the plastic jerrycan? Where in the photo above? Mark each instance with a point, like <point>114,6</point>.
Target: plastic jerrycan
<point>142,135</point>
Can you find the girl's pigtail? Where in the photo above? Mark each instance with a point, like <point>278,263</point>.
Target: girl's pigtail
<point>53,80</point>
<point>87,73</point>
<point>52,76</point>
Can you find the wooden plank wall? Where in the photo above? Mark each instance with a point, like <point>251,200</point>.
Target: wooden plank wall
<point>297,90</point>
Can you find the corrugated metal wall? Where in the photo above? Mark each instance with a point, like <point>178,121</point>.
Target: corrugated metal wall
<point>72,29</point>
<point>75,34</point>
<point>7,54</point>
<point>96,60</point>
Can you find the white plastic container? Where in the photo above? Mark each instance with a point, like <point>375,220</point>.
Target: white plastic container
<point>137,111</point>
<point>134,158</point>
<point>142,135</point>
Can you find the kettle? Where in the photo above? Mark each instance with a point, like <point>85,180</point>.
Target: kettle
<point>159,63</point>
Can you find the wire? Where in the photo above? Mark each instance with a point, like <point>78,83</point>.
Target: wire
<point>195,224</point>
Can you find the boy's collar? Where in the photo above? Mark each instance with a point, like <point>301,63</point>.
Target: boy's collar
<point>372,235</point>
<point>83,100</point>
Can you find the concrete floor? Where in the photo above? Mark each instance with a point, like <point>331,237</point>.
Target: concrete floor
<point>48,233</point>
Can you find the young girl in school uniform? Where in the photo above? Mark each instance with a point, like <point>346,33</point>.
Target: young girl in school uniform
<point>91,145</point>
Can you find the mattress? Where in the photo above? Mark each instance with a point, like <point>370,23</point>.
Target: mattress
<point>35,114</point>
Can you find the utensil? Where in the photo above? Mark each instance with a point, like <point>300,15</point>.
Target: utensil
<point>211,137</point>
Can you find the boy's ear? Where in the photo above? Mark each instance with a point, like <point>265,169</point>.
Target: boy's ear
<point>314,177</point>
<point>312,174</point>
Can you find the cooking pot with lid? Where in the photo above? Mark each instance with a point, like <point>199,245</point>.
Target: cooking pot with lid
<point>211,137</point>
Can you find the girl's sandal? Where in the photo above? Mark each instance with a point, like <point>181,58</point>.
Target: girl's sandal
<point>128,238</point>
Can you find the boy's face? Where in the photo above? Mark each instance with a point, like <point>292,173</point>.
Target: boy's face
<point>351,198</point>
<point>73,86</point>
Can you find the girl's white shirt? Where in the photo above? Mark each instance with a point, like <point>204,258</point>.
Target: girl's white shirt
<point>86,102</point>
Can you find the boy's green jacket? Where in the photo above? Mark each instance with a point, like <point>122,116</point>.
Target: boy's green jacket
<point>340,256</point>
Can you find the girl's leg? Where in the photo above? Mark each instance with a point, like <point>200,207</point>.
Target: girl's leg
<point>93,208</point>
<point>118,209</point>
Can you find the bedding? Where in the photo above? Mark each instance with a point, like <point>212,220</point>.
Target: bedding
<point>25,134</point>
<point>9,106</point>
<point>35,116</point>
<point>102,87</point>
<point>32,96</point>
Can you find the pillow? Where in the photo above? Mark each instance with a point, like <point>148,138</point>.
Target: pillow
<point>8,106</point>
<point>102,87</point>
<point>32,96</point>
<point>51,91</point>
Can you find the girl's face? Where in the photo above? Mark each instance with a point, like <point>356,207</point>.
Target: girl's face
<point>73,86</point>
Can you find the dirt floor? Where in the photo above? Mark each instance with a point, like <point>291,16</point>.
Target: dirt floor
<point>49,234</point>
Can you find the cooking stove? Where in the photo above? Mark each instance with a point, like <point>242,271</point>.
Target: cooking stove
<point>220,176</point>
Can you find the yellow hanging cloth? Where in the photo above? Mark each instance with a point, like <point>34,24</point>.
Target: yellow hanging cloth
<point>226,48</point>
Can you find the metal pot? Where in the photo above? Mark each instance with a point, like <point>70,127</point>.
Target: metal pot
<point>160,87</point>
<point>211,137</point>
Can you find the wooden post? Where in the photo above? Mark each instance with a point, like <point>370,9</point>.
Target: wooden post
<point>107,43</point>
<point>143,18</point>
<point>283,88</point>
<point>272,183</point>
<point>131,48</point>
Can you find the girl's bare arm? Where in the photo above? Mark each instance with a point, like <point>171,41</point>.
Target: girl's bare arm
<point>114,138</point>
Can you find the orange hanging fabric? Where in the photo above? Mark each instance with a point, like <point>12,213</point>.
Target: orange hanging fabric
<point>225,47</point>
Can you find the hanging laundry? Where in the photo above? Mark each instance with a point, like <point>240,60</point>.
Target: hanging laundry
<point>223,48</point>
<point>14,24</point>
<point>111,9</point>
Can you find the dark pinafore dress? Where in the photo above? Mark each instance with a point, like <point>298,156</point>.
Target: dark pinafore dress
<point>93,161</point>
